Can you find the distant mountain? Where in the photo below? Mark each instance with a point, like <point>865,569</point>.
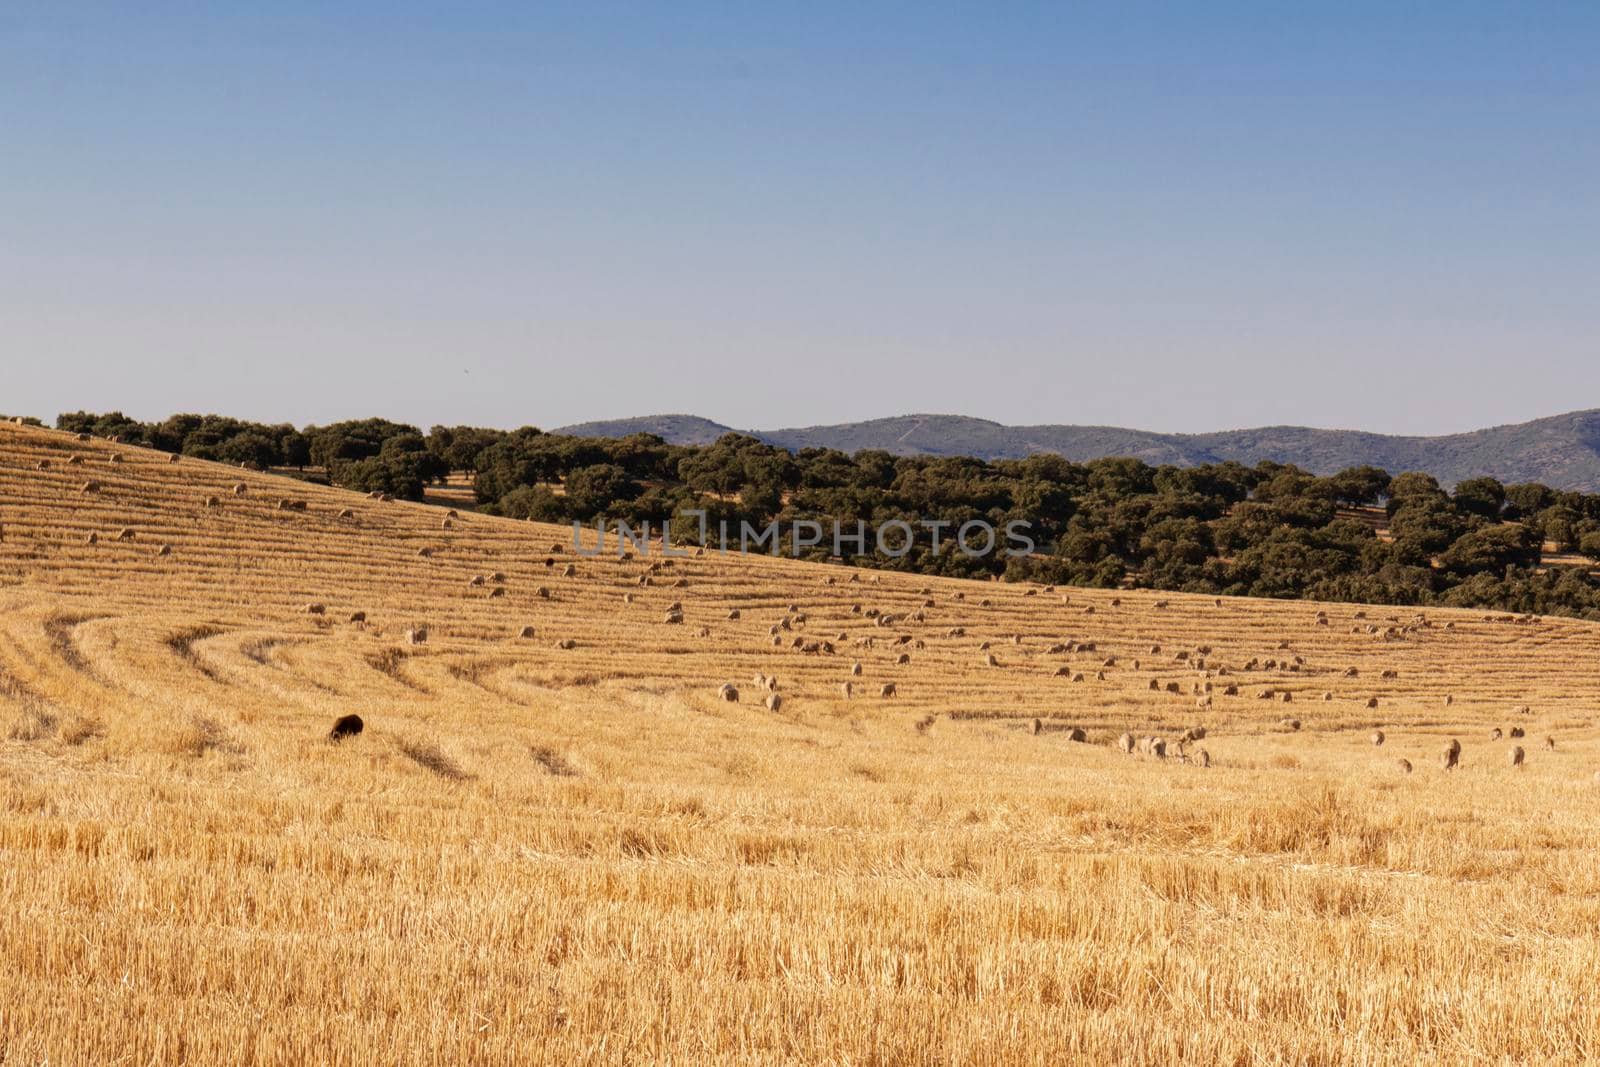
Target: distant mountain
<point>1562,451</point>
<point>675,429</point>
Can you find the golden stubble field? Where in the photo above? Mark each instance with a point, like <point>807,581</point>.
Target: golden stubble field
<point>546,854</point>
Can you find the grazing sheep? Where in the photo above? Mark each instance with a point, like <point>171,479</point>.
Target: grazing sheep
<point>174,458</point>
<point>1125,743</point>
<point>566,644</point>
<point>240,489</point>
<point>727,692</point>
<point>1549,742</point>
<point>345,726</point>
<point>1351,672</point>
<point>773,702</point>
<point>989,660</point>
<point>126,534</point>
<point>1523,709</point>
<point>845,689</point>
<point>1158,747</point>
<point>733,615</point>
<point>1203,702</point>
<point>542,593</point>
<point>1327,697</point>
<point>475,581</point>
<point>855,668</point>
<point>569,571</point>
<point>90,487</point>
<point>1495,735</point>
<point>115,457</point>
<point>1517,755</point>
<point>446,524</point>
<point>497,592</point>
<point>1231,691</point>
<point>1451,755</point>
<point>1038,727</point>
<point>1077,734</point>
<point>1288,697</point>
<point>83,437</point>
<point>164,550</point>
<point>1290,724</point>
<point>291,505</point>
<point>92,539</point>
<point>1377,737</point>
<point>213,502</point>
<point>1391,675</point>
<point>424,553</point>
<point>358,616</point>
<point>346,513</point>
<point>316,609</point>
<point>672,618</point>
<point>887,691</point>
<point>417,635</point>
<point>1193,733</point>
<point>1372,702</point>
<point>1404,765</point>
<point>1201,758</point>
<point>1516,731</point>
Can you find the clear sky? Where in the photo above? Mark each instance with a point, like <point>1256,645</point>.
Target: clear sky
<point>1182,216</point>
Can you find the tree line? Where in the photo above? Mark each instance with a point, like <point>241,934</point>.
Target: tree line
<point>1269,530</point>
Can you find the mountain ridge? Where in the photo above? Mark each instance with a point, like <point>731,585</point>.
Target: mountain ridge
<point>1561,451</point>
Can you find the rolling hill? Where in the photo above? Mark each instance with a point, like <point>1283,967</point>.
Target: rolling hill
<point>558,840</point>
<point>1562,451</point>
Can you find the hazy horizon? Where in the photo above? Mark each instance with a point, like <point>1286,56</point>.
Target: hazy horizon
<point>1160,217</point>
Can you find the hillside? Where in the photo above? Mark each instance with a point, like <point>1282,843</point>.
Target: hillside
<point>1562,451</point>
<point>567,846</point>
<point>678,429</point>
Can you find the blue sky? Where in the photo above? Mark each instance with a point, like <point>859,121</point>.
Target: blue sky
<point>1174,216</point>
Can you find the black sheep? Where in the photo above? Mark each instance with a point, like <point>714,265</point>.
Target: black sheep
<point>345,726</point>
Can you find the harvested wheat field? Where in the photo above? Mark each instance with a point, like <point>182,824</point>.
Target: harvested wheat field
<point>573,828</point>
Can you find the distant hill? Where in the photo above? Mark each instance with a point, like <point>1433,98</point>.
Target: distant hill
<point>675,429</point>
<point>1562,451</point>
